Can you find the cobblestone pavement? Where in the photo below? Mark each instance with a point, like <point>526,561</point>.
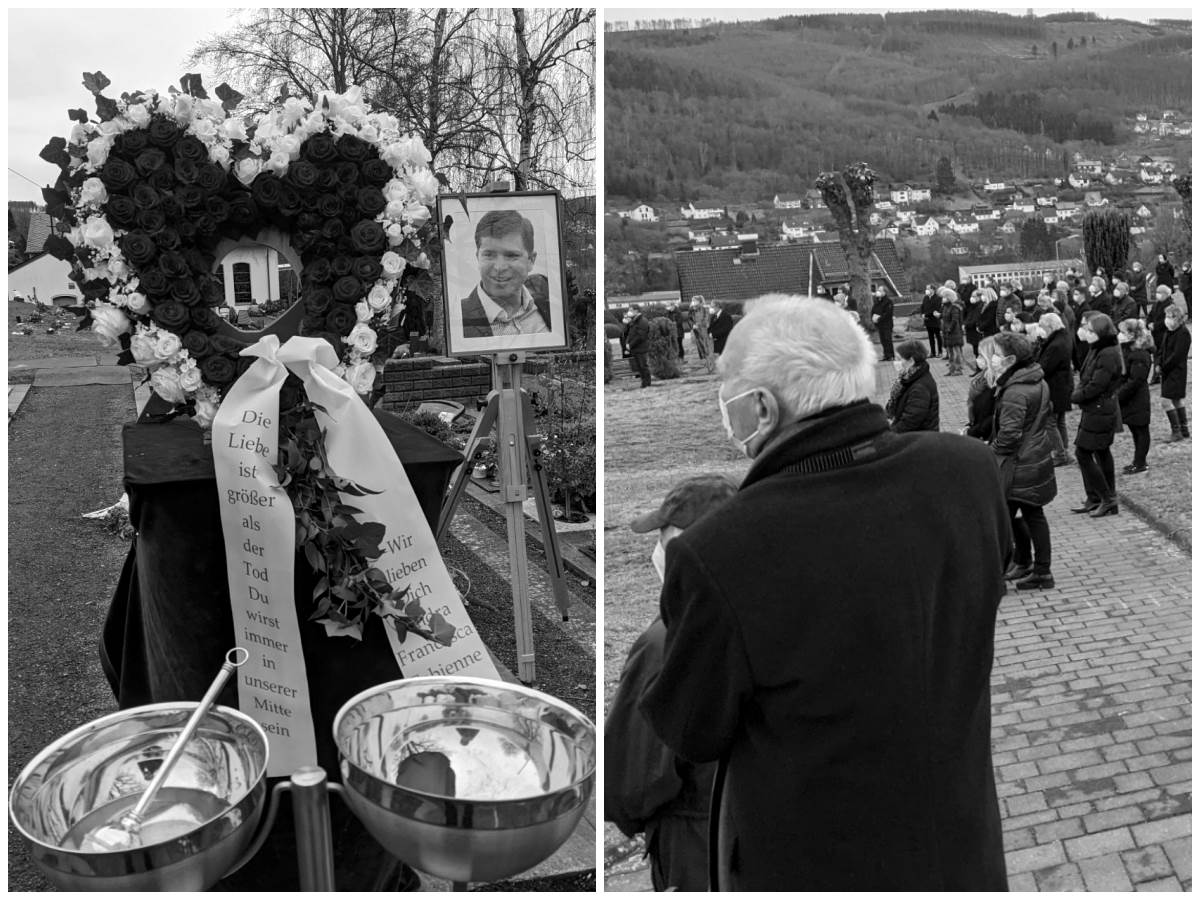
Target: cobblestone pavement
<point>1091,705</point>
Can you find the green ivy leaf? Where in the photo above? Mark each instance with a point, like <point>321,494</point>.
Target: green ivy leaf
<point>95,82</point>
<point>228,96</point>
<point>339,629</point>
<point>443,631</point>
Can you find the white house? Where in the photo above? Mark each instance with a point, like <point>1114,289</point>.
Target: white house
<point>250,274</point>
<point>1078,181</point>
<point>928,228</point>
<point>994,185</point>
<point>641,213</point>
<point>1023,206</point>
<point>45,280</point>
<point>788,201</point>
<point>1049,216</point>
<point>1094,198</point>
<point>1144,212</point>
<point>795,232</point>
<point>964,226</point>
<point>691,212</point>
<point>1089,166</point>
<point>906,193</point>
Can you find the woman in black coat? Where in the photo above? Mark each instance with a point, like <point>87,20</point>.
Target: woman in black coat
<point>1096,396</point>
<point>913,405</point>
<point>1133,393</point>
<point>1054,356</point>
<point>1164,272</point>
<point>1172,362</point>
<point>931,313</point>
<point>1019,440</point>
<point>971,313</point>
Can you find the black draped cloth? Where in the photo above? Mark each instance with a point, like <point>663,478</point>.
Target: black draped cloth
<point>170,623</point>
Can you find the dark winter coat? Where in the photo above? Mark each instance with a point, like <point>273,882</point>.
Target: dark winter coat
<point>1055,360</point>
<point>1164,273</point>
<point>1137,286</point>
<point>916,406</point>
<point>952,323</point>
<point>719,327</point>
<point>1019,439</point>
<point>971,316</point>
<point>637,336</point>
<point>1184,282</point>
<point>1172,361</point>
<point>851,707</point>
<point>1157,318</point>
<point>1096,396</point>
<point>1102,303</point>
<point>987,319</point>
<point>1133,393</point>
<point>981,402</point>
<point>930,304</point>
<point>882,307</point>
<point>1124,308</point>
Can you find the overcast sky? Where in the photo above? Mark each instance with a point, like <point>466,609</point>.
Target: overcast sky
<point>1136,13</point>
<point>50,49</point>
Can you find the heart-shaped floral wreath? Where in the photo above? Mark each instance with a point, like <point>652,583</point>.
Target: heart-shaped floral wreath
<point>151,188</point>
<point>159,181</point>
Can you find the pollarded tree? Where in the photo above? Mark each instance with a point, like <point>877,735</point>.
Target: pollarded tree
<point>1106,240</point>
<point>664,348</point>
<point>849,197</point>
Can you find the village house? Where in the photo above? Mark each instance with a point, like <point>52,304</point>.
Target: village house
<point>1150,175</point>
<point>691,212</point>
<point>928,228</point>
<point>964,226</point>
<point>44,280</point>
<point>640,213</point>
<point>907,193</point>
<point>788,201</point>
<point>993,186</point>
<point>1078,181</point>
<point>1094,198</point>
<point>1022,205</point>
<point>1089,166</point>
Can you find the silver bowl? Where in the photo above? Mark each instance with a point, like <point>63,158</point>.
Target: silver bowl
<point>198,826</point>
<point>464,778</point>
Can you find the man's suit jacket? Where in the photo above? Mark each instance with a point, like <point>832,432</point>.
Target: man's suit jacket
<point>719,328</point>
<point>475,320</point>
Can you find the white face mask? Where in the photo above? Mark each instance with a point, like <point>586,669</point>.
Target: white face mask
<point>1034,331</point>
<point>1124,337</point>
<point>1082,333</point>
<point>741,443</point>
<point>1172,324</point>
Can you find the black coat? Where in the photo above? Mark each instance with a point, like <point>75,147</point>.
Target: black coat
<point>1096,396</point>
<point>1124,308</point>
<point>1055,360</point>
<point>1172,361</point>
<point>1133,393</point>
<point>852,707</point>
<point>1137,286</point>
<point>916,407</point>
<point>1019,438</point>
<point>930,304</point>
<point>882,307</point>
<point>1164,273</point>
<point>952,323</point>
<point>981,402</point>
<point>719,327</point>
<point>987,319</point>
<point>637,336</point>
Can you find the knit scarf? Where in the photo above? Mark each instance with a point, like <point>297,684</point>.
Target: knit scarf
<point>898,386</point>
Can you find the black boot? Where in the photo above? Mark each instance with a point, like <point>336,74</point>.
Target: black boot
<point>1107,508</point>
<point>1176,434</point>
<point>1035,582</point>
<point>1183,422</point>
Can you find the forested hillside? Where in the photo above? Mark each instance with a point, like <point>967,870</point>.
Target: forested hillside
<point>744,111</point>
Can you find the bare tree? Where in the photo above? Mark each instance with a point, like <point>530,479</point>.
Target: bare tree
<point>849,196</point>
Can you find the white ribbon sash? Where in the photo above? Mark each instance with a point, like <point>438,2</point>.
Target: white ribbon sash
<point>259,528</point>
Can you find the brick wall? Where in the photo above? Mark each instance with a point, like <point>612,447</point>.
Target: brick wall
<point>410,382</point>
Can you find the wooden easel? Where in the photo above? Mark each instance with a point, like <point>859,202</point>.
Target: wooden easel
<point>519,452</point>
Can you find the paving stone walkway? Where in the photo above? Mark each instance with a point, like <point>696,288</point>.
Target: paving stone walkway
<point>1091,707</point>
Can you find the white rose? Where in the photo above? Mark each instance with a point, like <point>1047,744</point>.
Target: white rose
<point>167,345</point>
<point>362,338</point>
<point>210,109</point>
<point>138,114</point>
<point>397,191</point>
<point>93,191</point>
<point>206,411</point>
<point>380,298</point>
<point>117,269</point>
<point>97,150</point>
<point>424,185</point>
<point>184,110</point>
<point>289,144</point>
<point>278,163</point>
<point>109,323</point>
<point>386,123</point>
<point>97,233</point>
<point>395,210</point>
<point>395,234</point>
<point>294,110</point>
<point>111,128</point>
<point>79,134</point>
<point>204,129</point>
<point>409,151</point>
<point>234,129</point>
<point>369,133</point>
<point>416,214</point>
<point>361,377</point>
<point>340,370</point>
<point>247,169</point>
<point>136,302</point>
<point>191,378</point>
<point>362,311</point>
<point>165,383</point>
<point>220,155</point>
<point>142,345</point>
<point>393,264</point>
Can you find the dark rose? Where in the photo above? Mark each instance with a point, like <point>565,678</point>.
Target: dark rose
<point>138,248</point>
<point>371,201</point>
<point>153,282</point>
<point>187,231</point>
<point>168,238</point>
<point>319,148</point>
<point>290,203</point>
<point>317,271</point>
<point>197,261</point>
<point>173,264</point>
<point>162,180</point>
<point>117,174</point>
<point>266,189</point>
<point>317,301</point>
<point>310,200</point>
<point>348,194</point>
<point>368,236</point>
<point>171,207</point>
<point>308,221</point>
<point>302,240</point>
<point>191,147</point>
<point>171,315</point>
<point>190,196</point>
<point>345,246</point>
<point>347,289</point>
<point>144,196</point>
<point>341,319</point>
<point>163,132</point>
<point>376,172</point>
<point>217,208</point>
<point>131,143</point>
<point>333,229</point>
<point>206,225</point>
<point>186,171</point>
<point>327,180</point>
<point>152,221</point>
<point>120,209</point>
<point>205,319</point>
<point>309,325</point>
<point>367,268</point>
<point>242,209</point>
<point>218,370</point>
<point>347,174</point>
<point>226,346</point>
<point>323,250</point>
<point>195,341</point>
<point>353,149</point>
<point>150,160</point>
<point>211,177</point>
<point>341,265</point>
<point>185,291</point>
<point>213,291</point>
<point>329,206</point>
<point>302,174</point>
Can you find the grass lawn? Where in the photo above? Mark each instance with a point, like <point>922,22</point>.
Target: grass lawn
<point>65,341</point>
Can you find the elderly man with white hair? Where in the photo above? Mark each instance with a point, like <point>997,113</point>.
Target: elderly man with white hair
<point>829,631</point>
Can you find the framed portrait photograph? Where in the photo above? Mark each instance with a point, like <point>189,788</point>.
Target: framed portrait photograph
<point>503,274</point>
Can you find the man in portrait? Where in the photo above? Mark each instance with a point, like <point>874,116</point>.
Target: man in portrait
<point>508,300</point>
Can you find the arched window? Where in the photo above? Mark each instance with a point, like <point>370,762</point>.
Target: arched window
<point>242,292</point>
